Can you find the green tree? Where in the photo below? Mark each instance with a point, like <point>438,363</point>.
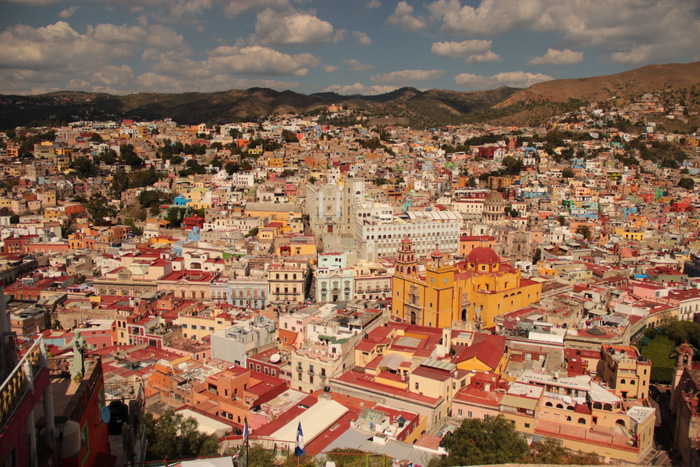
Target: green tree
<point>260,457</point>
<point>175,215</point>
<point>150,198</point>
<point>100,209</point>
<point>551,451</point>
<point>567,173</point>
<point>492,440</point>
<point>174,437</point>
<point>143,178</point>
<point>84,167</point>
<point>686,183</point>
<point>512,166</point>
<point>252,232</point>
<point>232,167</point>
<point>120,181</point>
<point>96,138</point>
<point>128,156</point>
<point>109,157</point>
<point>289,136</point>
<point>585,231</point>
<point>538,256</point>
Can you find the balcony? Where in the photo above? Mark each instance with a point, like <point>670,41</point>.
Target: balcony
<point>21,380</point>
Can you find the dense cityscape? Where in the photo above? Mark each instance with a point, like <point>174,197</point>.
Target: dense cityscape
<point>390,291</point>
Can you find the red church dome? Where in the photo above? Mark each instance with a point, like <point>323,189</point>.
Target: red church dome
<point>482,255</point>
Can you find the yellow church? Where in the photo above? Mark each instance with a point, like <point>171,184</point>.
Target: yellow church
<point>473,291</point>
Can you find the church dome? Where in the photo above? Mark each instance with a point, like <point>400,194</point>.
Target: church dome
<point>494,197</point>
<point>483,254</point>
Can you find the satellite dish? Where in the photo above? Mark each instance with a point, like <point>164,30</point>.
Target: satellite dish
<point>275,358</point>
<point>105,414</point>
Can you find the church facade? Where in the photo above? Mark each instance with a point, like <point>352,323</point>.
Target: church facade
<point>473,291</point>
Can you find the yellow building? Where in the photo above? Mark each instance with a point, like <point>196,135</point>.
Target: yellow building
<point>475,291</point>
<point>630,234</point>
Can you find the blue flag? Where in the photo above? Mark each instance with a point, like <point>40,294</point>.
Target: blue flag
<point>245,428</point>
<point>299,449</point>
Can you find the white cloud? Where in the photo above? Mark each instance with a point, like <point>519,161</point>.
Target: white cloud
<point>359,88</point>
<point>487,56</point>
<point>353,65</point>
<point>330,68</point>
<point>163,38</point>
<point>295,28</point>
<point>627,31</point>
<point>407,76</point>
<point>68,12</point>
<point>236,7</point>
<point>339,35</point>
<point>460,49</point>
<point>362,38</point>
<point>372,4</point>
<point>558,57</point>
<point>403,17</point>
<point>58,57</point>
<point>260,60</point>
<point>58,46</point>
<point>516,79</point>
<point>112,76</point>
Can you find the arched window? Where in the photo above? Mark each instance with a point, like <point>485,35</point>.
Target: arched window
<point>581,421</point>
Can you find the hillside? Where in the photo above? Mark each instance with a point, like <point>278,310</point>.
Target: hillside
<point>435,107</point>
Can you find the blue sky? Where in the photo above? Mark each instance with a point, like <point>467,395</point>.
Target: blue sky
<point>346,46</point>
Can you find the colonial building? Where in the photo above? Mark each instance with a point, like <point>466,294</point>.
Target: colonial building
<point>474,291</point>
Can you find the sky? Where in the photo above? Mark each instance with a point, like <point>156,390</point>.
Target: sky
<point>344,46</point>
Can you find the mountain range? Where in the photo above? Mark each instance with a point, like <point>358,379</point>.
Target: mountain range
<point>407,105</point>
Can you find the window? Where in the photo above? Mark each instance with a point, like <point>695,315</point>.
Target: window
<point>417,385</point>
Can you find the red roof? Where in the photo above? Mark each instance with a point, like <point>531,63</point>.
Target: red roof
<point>483,254</point>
